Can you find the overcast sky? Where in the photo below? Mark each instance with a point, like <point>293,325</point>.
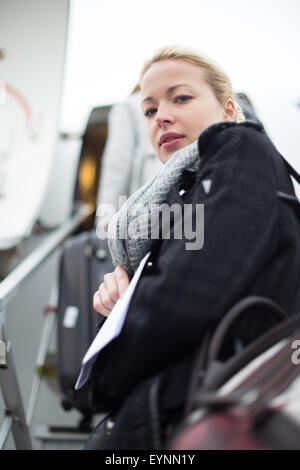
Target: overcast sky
<point>256,41</point>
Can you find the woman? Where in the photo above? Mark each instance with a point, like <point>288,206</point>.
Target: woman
<point>251,246</point>
<point>128,160</point>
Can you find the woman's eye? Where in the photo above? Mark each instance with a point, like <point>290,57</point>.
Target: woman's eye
<point>149,112</point>
<point>182,98</point>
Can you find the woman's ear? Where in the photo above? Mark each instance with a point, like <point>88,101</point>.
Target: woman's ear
<point>229,110</point>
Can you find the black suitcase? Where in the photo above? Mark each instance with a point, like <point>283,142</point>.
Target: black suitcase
<point>84,262</point>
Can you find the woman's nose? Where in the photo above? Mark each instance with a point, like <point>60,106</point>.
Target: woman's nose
<point>164,116</point>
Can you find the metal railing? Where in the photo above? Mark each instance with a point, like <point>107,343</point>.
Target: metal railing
<point>14,419</point>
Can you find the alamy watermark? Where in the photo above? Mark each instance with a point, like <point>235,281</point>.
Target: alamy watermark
<point>158,221</point>
<point>296,354</point>
<point>2,92</point>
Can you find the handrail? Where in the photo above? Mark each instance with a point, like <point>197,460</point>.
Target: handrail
<point>9,286</point>
<point>15,420</point>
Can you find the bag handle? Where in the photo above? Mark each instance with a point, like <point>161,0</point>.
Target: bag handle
<point>291,170</point>
<point>257,347</point>
<point>233,314</point>
<point>212,342</point>
<point>254,393</point>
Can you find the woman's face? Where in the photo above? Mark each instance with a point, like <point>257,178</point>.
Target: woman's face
<point>178,105</point>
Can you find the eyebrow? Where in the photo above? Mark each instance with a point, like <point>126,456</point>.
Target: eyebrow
<point>169,91</point>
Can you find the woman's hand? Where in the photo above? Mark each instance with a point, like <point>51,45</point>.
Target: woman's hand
<point>112,288</point>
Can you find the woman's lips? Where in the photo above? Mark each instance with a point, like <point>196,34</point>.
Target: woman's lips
<point>172,143</point>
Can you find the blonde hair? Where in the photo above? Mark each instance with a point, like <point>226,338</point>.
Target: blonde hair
<point>215,76</point>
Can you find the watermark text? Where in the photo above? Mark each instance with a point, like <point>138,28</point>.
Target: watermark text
<point>158,221</point>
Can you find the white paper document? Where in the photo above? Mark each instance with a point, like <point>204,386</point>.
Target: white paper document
<point>111,328</point>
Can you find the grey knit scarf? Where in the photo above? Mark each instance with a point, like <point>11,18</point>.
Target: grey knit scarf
<point>129,231</point>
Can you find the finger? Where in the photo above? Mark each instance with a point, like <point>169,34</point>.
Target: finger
<point>107,301</point>
<point>122,280</point>
<point>98,305</point>
<point>111,285</point>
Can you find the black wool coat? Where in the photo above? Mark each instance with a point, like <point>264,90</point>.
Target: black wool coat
<point>251,247</point>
